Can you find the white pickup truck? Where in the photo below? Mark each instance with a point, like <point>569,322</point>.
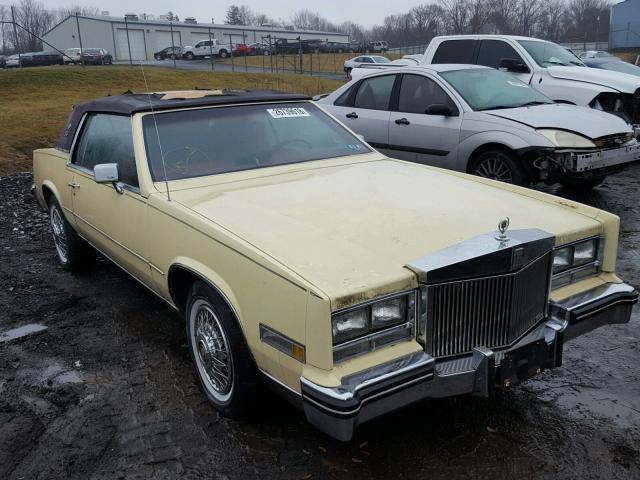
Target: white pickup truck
<point>207,48</point>
<point>548,67</point>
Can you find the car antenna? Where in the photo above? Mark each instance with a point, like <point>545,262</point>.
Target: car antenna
<point>155,123</point>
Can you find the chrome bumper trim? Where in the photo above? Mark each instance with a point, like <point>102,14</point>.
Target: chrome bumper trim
<point>384,388</point>
<point>584,162</point>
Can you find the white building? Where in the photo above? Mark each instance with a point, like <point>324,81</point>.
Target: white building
<point>144,37</point>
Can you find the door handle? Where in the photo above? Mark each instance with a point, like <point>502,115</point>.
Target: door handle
<point>352,115</point>
<point>402,121</point>
<point>73,185</point>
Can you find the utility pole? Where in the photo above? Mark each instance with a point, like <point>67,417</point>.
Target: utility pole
<point>126,26</point>
<point>15,33</point>
<point>173,46</point>
<point>80,40</point>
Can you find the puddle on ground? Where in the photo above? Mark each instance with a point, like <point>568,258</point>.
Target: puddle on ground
<point>24,331</point>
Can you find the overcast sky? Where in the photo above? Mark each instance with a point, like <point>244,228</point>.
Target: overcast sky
<point>365,12</point>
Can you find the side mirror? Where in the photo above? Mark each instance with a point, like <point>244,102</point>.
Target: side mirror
<point>440,109</point>
<point>513,65</point>
<point>105,173</point>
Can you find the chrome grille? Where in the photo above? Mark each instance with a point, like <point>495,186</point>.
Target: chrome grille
<point>488,312</point>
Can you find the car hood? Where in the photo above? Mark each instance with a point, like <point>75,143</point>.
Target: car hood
<point>349,229</point>
<point>585,121</point>
<point>622,82</point>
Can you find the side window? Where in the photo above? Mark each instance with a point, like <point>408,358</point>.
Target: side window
<point>375,93</point>
<point>493,51</point>
<point>367,60</point>
<point>456,51</point>
<point>418,92</point>
<point>108,139</point>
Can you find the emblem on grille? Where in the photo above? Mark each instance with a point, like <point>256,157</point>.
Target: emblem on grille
<point>503,226</point>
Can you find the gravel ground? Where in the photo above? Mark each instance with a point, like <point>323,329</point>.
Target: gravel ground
<point>108,389</point>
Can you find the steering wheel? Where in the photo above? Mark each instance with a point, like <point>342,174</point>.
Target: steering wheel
<point>181,165</point>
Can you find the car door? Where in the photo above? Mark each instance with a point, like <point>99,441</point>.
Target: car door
<point>492,52</point>
<point>365,109</point>
<point>112,219</point>
<point>420,137</point>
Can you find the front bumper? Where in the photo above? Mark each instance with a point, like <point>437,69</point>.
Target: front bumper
<point>384,388</point>
<point>576,162</point>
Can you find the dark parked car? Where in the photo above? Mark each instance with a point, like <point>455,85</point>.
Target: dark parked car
<point>3,61</point>
<point>169,52</point>
<point>260,48</point>
<point>337,47</point>
<point>97,56</point>
<point>294,46</point>
<point>35,59</point>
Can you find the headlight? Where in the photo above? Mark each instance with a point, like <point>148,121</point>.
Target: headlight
<point>373,325</point>
<point>388,312</point>
<point>577,260</point>
<point>351,324</point>
<point>564,139</point>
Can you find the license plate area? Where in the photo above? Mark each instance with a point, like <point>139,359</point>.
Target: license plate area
<point>522,363</point>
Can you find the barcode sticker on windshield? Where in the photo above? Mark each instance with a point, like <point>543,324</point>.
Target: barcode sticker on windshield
<point>289,112</point>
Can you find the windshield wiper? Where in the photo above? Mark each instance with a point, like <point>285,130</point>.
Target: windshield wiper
<point>496,107</point>
<point>535,102</point>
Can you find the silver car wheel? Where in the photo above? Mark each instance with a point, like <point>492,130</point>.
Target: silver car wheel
<point>59,234</point>
<point>495,168</point>
<point>211,351</point>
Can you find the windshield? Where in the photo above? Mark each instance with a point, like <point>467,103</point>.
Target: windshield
<point>488,89</point>
<point>219,140</point>
<point>547,54</point>
<point>619,66</point>
<point>381,59</point>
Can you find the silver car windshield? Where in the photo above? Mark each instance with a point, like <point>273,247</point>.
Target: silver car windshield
<point>547,54</point>
<point>488,89</point>
<point>619,66</point>
<point>211,141</point>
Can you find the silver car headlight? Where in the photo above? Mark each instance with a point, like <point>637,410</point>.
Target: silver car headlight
<point>564,139</point>
<point>374,324</point>
<point>577,260</point>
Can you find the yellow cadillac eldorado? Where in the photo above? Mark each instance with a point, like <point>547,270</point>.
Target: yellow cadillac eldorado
<point>300,257</point>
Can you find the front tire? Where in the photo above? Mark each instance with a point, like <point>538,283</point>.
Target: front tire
<point>499,165</point>
<point>224,366</point>
<point>74,253</point>
<point>188,56</point>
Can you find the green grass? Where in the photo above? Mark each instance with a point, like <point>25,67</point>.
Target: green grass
<point>35,102</point>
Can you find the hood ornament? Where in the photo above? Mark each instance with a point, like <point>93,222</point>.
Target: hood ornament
<point>503,226</point>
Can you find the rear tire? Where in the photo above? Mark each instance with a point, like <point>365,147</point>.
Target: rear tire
<point>74,253</point>
<point>223,53</point>
<point>500,165</point>
<point>223,363</point>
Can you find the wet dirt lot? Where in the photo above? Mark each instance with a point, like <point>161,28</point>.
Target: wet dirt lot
<point>107,390</point>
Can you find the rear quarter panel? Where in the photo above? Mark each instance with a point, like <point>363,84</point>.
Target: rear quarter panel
<point>49,173</point>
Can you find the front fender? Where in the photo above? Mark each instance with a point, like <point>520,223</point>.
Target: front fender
<point>508,140</point>
<point>209,276</point>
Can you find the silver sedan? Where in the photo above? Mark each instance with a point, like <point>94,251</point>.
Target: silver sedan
<point>483,121</point>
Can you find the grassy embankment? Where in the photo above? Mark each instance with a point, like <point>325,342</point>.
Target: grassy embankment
<point>34,102</point>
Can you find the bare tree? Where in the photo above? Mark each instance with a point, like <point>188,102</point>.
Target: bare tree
<point>35,20</point>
